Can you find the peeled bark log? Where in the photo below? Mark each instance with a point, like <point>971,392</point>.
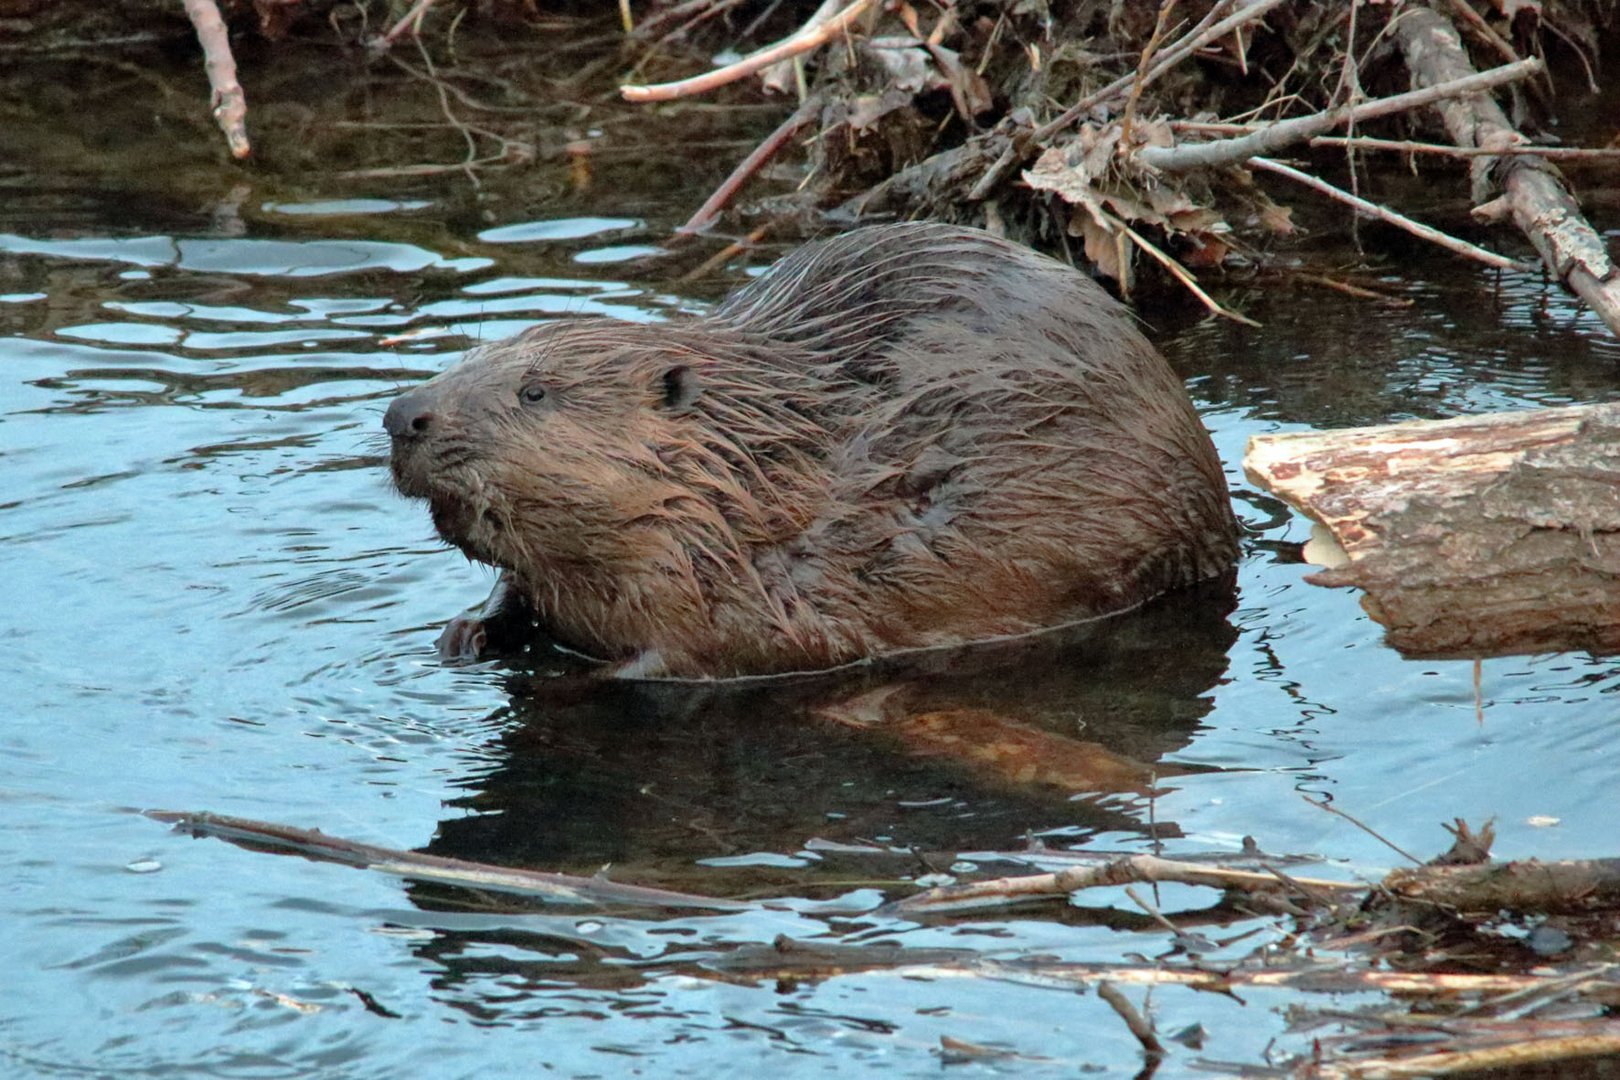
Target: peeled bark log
<point>1479,536</point>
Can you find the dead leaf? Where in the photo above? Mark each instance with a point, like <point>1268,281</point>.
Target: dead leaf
<point>1277,219</point>
<point>969,91</point>
<point>1110,252</point>
<point>905,62</point>
<point>1206,251</point>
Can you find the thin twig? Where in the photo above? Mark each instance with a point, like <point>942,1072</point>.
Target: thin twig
<point>1195,39</point>
<point>1383,213</point>
<point>705,215</point>
<point>807,38</point>
<point>1134,1020</point>
<point>1364,827</point>
<point>1160,28</point>
<point>719,258</point>
<point>1180,273</point>
<point>411,20</point>
<point>1349,289</point>
<point>229,102</point>
<point>1207,30</point>
<point>1551,153</point>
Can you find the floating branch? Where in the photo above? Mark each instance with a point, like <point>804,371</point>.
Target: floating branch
<point>314,844</point>
<point>1004,892</point>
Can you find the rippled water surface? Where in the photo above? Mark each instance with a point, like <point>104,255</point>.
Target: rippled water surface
<point>214,602</point>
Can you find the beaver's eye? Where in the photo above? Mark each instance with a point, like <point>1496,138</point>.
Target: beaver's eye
<point>532,394</point>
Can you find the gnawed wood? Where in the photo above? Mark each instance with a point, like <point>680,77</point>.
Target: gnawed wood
<point>1478,536</point>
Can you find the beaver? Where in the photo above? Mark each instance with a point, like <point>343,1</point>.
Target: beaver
<point>905,436</point>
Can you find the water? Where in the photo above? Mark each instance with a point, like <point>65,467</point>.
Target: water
<point>214,602</point>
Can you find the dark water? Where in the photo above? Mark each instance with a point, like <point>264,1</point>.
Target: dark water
<point>214,602</point>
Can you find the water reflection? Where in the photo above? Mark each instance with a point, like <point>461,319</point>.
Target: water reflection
<point>941,752</point>
<point>215,603</point>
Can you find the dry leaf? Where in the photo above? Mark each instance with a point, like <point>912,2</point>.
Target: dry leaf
<point>1206,251</point>
<point>1277,219</point>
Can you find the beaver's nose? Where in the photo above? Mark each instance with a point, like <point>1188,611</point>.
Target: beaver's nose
<point>409,417</point>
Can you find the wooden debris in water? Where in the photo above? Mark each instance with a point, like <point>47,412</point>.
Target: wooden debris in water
<point>1475,536</point>
<point>553,888</point>
<point>1007,891</point>
<point>1534,196</point>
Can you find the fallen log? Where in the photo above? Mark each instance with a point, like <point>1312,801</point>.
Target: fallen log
<point>1472,537</point>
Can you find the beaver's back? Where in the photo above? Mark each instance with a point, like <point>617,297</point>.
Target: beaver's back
<point>1012,452</point>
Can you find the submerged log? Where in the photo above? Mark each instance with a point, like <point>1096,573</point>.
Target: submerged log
<point>1478,536</point>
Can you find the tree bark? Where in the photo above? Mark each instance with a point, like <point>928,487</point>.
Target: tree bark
<point>1479,536</point>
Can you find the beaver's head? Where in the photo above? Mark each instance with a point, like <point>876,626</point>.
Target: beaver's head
<point>598,444</point>
<point>552,445</point>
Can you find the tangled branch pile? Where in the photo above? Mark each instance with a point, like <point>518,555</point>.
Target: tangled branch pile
<point>1131,128</point>
<point>1138,128</point>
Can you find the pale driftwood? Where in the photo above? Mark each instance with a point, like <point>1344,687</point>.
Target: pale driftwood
<point>1534,194</point>
<point>554,888</point>
<point>1479,536</point>
<point>229,102</point>
<point>1003,892</point>
<point>1266,139</point>
<point>812,35</point>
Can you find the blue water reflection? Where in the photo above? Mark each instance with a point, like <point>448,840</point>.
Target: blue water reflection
<point>215,602</point>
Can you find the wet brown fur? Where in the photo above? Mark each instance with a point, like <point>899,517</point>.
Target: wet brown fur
<point>906,436</point>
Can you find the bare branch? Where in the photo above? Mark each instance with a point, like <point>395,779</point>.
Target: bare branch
<point>811,36</point>
<point>229,102</point>
<point>1273,137</point>
<point>1383,213</point>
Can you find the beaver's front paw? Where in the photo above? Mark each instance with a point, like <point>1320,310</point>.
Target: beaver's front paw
<point>464,640</point>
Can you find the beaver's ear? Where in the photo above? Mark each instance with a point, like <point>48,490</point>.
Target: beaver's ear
<point>679,387</point>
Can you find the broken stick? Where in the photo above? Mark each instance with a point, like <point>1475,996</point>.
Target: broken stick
<point>229,102</point>
<point>416,866</point>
